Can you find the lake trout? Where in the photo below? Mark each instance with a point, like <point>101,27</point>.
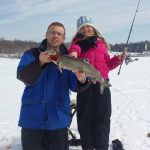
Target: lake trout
<point>73,64</point>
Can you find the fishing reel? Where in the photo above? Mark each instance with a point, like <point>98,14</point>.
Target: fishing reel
<point>128,60</point>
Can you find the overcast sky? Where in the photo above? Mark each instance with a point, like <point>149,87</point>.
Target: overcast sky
<point>29,19</point>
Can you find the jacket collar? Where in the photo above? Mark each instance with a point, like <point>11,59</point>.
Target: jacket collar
<point>43,47</point>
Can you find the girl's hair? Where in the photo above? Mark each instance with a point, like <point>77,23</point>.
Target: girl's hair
<point>97,34</point>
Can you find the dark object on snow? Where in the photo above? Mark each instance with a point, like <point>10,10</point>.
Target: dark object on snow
<point>117,145</point>
<point>148,134</point>
<point>129,60</point>
<point>74,142</point>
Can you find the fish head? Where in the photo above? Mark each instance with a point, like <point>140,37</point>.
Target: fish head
<point>54,55</point>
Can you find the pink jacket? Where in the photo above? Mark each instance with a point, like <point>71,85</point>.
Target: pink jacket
<point>98,57</point>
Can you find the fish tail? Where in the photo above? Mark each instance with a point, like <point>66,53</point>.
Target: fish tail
<point>103,86</point>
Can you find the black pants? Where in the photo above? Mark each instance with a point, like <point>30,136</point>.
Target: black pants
<point>36,139</point>
<point>93,117</point>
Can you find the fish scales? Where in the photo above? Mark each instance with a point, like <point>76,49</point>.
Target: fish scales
<point>72,64</point>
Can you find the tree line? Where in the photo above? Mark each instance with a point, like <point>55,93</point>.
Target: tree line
<point>15,48</point>
<point>134,47</point>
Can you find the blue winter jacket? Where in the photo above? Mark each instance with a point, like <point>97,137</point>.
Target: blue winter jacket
<point>45,100</point>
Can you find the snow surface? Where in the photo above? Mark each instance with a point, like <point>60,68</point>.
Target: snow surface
<point>130,121</point>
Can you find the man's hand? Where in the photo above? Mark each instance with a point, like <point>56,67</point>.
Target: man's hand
<point>44,58</point>
<point>81,75</point>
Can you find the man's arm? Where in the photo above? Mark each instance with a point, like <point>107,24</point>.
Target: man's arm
<point>30,73</point>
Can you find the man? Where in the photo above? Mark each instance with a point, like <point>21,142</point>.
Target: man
<point>45,109</point>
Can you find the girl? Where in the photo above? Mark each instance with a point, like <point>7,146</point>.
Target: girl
<point>93,108</point>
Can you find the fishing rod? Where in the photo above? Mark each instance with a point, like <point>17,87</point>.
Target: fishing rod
<point>126,48</point>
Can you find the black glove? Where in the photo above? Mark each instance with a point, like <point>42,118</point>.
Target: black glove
<point>87,43</point>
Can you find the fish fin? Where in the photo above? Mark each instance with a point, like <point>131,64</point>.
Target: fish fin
<point>60,69</point>
<point>102,88</point>
<point>84,60</point>
<point>94,80</point>
<point>107,84</point>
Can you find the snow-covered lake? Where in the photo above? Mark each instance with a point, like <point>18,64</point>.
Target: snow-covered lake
<point>130,121</point>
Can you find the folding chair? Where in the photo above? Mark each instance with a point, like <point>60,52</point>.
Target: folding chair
<point>73,141</point>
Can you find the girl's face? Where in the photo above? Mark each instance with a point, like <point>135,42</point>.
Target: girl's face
<point>87,31</point>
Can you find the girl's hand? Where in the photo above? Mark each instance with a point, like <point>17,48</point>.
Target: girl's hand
<point>73,54</point>
<point>122,56</point>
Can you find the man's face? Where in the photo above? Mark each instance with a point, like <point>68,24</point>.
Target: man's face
<point>55,36</point>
